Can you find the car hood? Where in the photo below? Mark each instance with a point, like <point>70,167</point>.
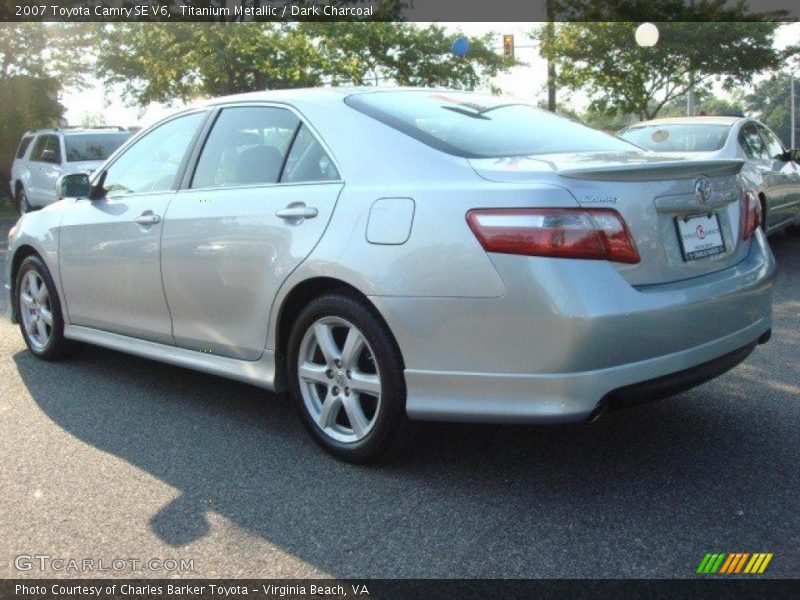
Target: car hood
<point>83,166</point>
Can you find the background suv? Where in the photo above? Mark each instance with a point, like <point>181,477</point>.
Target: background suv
<point>46,154</point>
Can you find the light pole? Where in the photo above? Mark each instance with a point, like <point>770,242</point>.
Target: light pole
<point>792,109</point>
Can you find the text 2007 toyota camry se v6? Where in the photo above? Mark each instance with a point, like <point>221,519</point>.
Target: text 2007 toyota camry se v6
<point>385,254</point>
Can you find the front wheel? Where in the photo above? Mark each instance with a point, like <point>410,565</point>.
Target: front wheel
<point>23,205</point>
<point>346,377</point>
<point>39,310</point>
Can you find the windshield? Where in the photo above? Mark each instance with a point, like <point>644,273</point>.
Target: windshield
<point>479,126</point>
<point>93,146</point>
<point>686,137</point>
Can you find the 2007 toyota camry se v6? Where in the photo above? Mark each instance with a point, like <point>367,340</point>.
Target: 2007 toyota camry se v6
<point>384,254</point>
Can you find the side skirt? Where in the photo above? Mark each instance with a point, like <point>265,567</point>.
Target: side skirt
<point>259,372</point>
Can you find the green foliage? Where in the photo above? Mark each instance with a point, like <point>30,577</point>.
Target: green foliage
<point>161,62</point>
<point>770,103</point>
<point>621,77</point>
<point>33,67</point>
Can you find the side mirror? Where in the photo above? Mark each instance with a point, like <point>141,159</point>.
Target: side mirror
<point>73,185</point>
<point>49,156</point>
<point>794,155</point>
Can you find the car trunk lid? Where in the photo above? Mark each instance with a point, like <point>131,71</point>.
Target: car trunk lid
<point>675,208</point>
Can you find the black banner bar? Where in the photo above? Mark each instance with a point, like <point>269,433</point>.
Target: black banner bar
<point>398,10</point>
<point>738,588</point>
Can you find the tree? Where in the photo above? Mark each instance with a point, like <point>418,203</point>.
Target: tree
<point>35,62</point>
<point>402,53</point>
<point>165,61</point>
<point>620,77</point>
<point>770,103</point>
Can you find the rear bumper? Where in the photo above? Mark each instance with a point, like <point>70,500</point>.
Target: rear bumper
<point>568,334</point>
<point>566,397</point>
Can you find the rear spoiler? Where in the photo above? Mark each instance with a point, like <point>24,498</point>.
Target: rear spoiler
<point>653,171</point>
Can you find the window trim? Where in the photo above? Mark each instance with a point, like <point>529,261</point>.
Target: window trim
<point>175,186</point>
<point>186,180</point>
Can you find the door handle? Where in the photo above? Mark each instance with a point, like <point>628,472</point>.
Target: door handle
<point>297,212</point>
<point>148,218</point>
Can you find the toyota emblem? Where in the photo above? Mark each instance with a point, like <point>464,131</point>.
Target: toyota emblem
<point>702,190</point>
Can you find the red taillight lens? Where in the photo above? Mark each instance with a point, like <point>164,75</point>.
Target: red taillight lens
<point>751,213</point>
<point>594,233</point>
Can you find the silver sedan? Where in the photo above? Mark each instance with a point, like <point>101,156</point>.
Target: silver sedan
<point>770,170</point>
<point>385,254</point>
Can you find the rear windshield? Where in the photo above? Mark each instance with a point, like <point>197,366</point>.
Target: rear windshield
<point>93,146</point>
<point>686,137</point>
<point>479,126</point>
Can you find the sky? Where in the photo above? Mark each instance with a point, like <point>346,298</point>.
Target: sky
<point>526,82</point>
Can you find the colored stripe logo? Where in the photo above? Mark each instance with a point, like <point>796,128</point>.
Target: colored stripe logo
<point>724,563</point>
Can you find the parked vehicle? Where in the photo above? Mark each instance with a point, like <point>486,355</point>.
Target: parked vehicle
<point>389,253</point>
<point>46,154</point>
<point>770,169</point>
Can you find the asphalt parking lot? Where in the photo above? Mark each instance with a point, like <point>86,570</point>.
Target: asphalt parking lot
<point>109,456</point>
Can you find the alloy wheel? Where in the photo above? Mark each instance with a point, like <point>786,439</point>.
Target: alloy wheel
<point>36,310</point>
<point>339,379</point>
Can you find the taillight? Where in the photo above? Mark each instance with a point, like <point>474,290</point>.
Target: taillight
<point>593,233</point>
<point>751,213</point>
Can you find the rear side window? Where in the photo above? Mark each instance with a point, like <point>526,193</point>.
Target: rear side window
<point>478,126</point>
<point>678,137</point>
<point>774,146</point>
<point>751,142</point>
<point>23,146</point>
<point>308,161</point>
<point>92,146</point>
<point>247,146</point>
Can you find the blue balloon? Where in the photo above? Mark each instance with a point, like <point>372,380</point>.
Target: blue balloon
<point>460,46</point>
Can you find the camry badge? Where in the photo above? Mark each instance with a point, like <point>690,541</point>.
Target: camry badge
<point>702,190</point>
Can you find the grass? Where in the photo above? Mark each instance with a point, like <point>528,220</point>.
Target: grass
<point>7,208</point>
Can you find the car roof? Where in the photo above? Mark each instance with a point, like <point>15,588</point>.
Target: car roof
<point>77,130</point>
<point>311,94</point>
<point>691,121</point>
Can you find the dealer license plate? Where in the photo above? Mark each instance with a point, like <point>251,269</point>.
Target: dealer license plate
<point>701,236</point>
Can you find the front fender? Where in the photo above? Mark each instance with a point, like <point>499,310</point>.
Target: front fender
<point>36,232</point>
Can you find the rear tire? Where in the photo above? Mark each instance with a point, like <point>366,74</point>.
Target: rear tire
<point>346,377</point>
<point>37,304</point>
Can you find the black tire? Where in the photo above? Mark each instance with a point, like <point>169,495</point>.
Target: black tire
<point>56,346</point>
<point>23,206</point>
<point>390,414</point>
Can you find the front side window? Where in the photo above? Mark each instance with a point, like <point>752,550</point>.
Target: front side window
<point>92,146</point>
<point>752,144</point>
<point>308,161</point>
<point>151,164</point>
<point>678,137</point>
<point>23,146</point>
<point>247,146</point>
<point>47,149</point>
<point>478,126</point>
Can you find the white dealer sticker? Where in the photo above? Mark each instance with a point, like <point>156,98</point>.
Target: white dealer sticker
<point>701,236</point>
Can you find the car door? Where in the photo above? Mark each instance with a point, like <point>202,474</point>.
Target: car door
<point>760,172</point>
<point>110,247</point>
<point>785,173</point>
<point>253,208</point>
<point>44,167</point>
